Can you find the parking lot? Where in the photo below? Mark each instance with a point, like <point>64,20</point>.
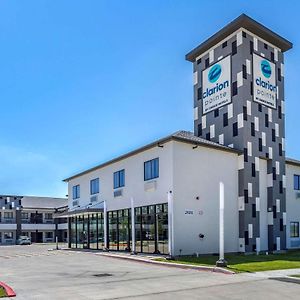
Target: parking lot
<point>36,273</point>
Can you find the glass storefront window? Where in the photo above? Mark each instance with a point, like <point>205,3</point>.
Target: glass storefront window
<point>151,230</point>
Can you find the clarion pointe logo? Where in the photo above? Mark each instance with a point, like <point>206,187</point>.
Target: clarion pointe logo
<point>266,70</point>
<point>213,76</point>
<point>214,73</point>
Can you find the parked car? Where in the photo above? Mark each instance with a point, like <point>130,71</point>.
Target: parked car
<point>24,240</point>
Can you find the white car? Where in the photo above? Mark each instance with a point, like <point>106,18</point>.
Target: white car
<point>24,240</point>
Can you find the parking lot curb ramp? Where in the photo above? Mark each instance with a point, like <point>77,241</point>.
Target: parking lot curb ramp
<point>168,264</point>
<point>8,290</point>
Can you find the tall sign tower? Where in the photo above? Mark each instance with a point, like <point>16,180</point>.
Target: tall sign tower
<point>239,102</point>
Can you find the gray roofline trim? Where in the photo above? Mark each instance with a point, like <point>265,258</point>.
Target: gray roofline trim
<point>151,145</point>
<point>292,161</point>
<point>248,23</point>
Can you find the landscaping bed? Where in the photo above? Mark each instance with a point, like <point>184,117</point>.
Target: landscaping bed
<point>245,263</point>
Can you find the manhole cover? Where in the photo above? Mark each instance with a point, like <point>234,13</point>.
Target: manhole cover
<point>102,275</point>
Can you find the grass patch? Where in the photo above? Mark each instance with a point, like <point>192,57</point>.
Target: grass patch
<point>296,276</point>
<point>246,263</point>
<point>2,292</point>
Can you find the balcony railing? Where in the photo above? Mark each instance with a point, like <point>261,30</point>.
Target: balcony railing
<point>37,221</point>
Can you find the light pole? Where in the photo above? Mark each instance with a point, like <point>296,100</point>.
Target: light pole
<point>221,262</point>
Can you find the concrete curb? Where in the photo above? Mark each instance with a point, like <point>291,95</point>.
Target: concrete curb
<point>169,264</point>
<point>8,290</point>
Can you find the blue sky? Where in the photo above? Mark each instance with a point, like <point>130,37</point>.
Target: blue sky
<point>85,81</point>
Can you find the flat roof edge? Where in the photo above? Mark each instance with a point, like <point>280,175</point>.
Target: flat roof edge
<point>243,21</point>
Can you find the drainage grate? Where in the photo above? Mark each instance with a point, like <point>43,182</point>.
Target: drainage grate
<point>102,275</point>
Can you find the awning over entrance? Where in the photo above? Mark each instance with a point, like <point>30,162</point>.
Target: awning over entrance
<point>96,208</point>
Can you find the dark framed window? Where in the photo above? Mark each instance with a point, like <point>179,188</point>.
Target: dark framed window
<point>208,136</point>
<point>216,112</point>
<point>235,129</point>
<point>252,129</point>
<point>294,229</point>
<point>297,182</point>
<point>245,113</point>
<point>280,149</point>
<point>76,191</point>
<point>200,129</point>
<point>259,107</point>
<point>273,135</point>
<point>225,120</point>
<point>224,44</point>
<point>119,179</point>
<point>234,88</point>
<point>94,186</point>
<point>207,63</point>
<point>199,93</point>
<point>234,48</point>
<point>244,72</point>
<point>251,47</point>
<point>266,120</point>
<point>151,169</point>
<point>279,112</point>
<point>253,170</point>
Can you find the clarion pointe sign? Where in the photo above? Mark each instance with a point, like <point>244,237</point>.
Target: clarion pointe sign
<point>216,83</point>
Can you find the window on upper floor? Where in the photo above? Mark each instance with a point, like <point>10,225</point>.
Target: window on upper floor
<point>94,186</point>
<point>76,191</point>
<point>297,182</point>
<point>8,215</point>
<point>294,229</point>
<point>119,179</point>
<point>24,215</point>
<point>151,169</point>
<point>48,216</point>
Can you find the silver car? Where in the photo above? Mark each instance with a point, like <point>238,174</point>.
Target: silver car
<point>24,240</point>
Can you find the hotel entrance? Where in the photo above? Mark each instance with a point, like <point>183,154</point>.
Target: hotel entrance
<point>151,227</point>
<point>151,230</point>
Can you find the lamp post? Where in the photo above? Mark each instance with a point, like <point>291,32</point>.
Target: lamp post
<point>221,262</point>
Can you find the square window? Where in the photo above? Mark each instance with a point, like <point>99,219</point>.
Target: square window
<point>224,44</point>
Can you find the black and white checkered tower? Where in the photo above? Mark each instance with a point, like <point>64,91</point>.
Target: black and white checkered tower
<point>239,102</point>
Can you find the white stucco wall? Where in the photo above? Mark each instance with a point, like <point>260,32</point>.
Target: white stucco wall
<point>292,204</point>
<point>197,173</point>
<point>135,186</point>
